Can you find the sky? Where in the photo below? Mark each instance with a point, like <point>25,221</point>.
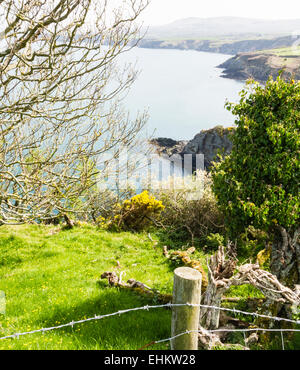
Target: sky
<point>166,11</point>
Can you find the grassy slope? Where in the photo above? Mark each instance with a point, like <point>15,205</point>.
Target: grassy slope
<point>51,279</point>
<point>285,58</point>
<point>289,51</point>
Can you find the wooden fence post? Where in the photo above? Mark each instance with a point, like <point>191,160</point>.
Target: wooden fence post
<point>186,289</point>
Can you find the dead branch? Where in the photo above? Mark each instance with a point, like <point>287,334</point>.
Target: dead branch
<point>224,273</point>
<point>136,286</point>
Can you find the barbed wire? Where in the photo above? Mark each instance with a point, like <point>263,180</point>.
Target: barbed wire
<point>253,329</point>
<point>275,318</point>
<point>228,330</point>
<point>72,323</point>
<point>168,305</point>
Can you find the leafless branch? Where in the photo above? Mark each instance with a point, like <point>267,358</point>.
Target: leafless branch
<point>60,100</point>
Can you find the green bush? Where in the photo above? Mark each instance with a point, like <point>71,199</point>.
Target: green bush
<point>257,185</point>
<point>187,220</point>
<point>213,241</point>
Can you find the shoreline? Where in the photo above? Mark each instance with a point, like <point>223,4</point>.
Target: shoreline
<point>240,65</point>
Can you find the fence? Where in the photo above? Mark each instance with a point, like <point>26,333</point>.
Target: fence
<point>180,339</point>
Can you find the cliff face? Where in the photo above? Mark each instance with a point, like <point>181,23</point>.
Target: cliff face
<point>169,147</point>
<point>260,66</point>
<point>207,142</point>
<point>210,143</point>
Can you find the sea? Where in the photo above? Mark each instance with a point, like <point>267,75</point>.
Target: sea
<point>182,91</point>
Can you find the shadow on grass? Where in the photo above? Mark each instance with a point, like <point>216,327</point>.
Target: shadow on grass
<point>129,331</point>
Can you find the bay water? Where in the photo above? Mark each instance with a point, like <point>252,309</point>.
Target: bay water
<point>183,91</point>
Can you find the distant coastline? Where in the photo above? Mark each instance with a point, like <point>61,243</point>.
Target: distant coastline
<point>222,46</point>
<point>247,58</point>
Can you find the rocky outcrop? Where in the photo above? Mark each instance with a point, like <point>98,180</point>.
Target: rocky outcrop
<point>168,146</point>
<point>260,66</point>
<point>207,142</point>
<point>210,143</point>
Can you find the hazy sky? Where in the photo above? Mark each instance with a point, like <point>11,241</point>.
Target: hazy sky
<point>166,11</point>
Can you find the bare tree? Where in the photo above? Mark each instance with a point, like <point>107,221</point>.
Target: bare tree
<point>224,273</point>
<point>60,100</point>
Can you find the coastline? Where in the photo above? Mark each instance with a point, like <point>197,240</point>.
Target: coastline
<point>245,60</point>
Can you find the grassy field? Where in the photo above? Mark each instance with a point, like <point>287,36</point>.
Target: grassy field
<point>50,278</point>
<point>288,51</point>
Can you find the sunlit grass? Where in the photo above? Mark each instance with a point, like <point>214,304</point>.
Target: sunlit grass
<point>287,51</point>
<point>54,278</point>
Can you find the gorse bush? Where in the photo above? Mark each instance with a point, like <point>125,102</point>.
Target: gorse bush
<point>106,203</point>
<point>183,211</point>
<point>137,213</point>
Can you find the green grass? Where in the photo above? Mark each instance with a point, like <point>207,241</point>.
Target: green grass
<point>54,278</point>
<point>287,51</point>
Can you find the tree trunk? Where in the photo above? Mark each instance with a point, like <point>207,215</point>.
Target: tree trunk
<point>220,270</point>
<point>69,222</point>
<point>285,257</point>
<point>210,318</point>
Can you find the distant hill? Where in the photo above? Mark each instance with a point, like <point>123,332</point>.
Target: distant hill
<point>199,28</point>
